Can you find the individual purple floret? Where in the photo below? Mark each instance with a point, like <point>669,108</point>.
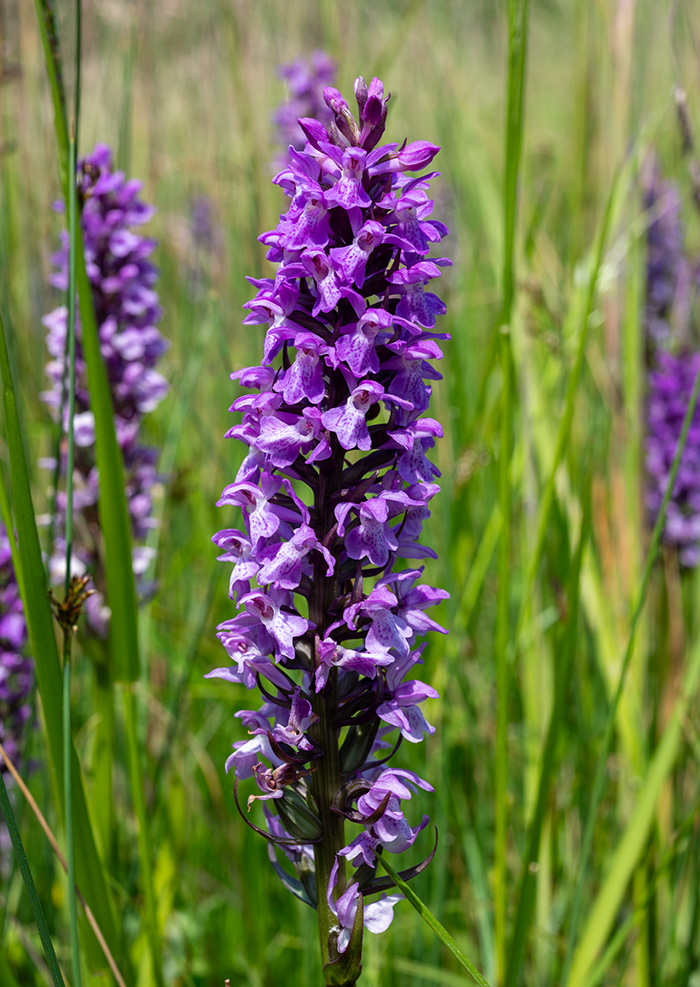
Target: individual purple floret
<point>334,491</point>
<point>306,79</point>
<point>670,388</point>
<point>127,310</point>
<point>16,669</point>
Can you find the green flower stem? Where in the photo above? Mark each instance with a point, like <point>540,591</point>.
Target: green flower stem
<point>326,779</point>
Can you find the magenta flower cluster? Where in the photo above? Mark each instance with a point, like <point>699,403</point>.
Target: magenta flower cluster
<point>334,491</point>
<point>672,282</point>
<point>127,310</point>
<point>16,669</point>
<point>306,80</point>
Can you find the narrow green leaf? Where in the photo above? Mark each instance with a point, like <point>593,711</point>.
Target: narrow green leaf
<point>634,840</point>
<point>564,433</point>
<point>68,631</point>
<point>26,873</point>
<point>527,885</point>
<point>48,29</point>
<point>430,920</point>
<point>515,123</point>
<point>114,515</point>
<point>583,960</point>
<point>32,580</point>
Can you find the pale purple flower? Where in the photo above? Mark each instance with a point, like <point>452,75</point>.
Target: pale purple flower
<point>126,306</point>
<point>333,491</point>
<point>16,667</point>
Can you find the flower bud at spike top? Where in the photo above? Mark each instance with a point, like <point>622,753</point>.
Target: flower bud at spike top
<point>334,489</point>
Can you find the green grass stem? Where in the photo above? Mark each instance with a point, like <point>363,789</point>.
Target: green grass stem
<point>517,48</point>
<point>26,873</point>
<point>32,582</point>
<point>528,879</point>
<point>576,963</point>
<point>564,433</point>
<point>629,849</point>
<point>136,775</point>
<point>68,630</point>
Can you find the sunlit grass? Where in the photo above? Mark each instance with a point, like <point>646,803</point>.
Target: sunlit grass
<point>185,94</point>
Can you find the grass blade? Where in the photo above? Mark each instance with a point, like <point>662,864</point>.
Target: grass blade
<point>32,582</point>
<point>527,886</point>
<point>634,840</point>
<point>62,861</point>
<point>564,433</point>
<point>430,920</point>
<point>67,626</point>
<point>517,48</point>
<point>583,961</point>
<point>114,516</point>
<point>29,884</point>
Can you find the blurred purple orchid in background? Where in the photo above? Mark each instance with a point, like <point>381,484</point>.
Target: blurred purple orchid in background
<point>127,310</point>
<point>16,669</point>
<point>673,278</point>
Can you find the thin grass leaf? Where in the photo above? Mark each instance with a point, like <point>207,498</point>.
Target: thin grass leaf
<point>430,920</point>
<point>67,628</point>
<point>633,920</point>
<point>29,884</point>
<point>114,515</point>
<point>517,50</point>
<point>593,931</point>
<point>564,434</point>
<point>31,802</point>
<point>32,581</point>
<point>48,30</point>
<point>634,840</point>
<point>527,885</point>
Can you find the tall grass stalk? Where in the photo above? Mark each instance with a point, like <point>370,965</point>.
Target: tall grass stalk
<point>26,873</point>
<point>68,630</point>
<point>31,802</point>
<point>571,975</point>
<point>32,582</point>
<point>517,49</point>
<point>527,885</point>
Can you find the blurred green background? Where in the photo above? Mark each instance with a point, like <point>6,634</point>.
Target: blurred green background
<point>185,93</point>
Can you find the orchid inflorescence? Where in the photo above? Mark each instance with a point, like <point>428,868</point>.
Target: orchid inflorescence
<point>334,490</point>
<point>672,282</point>
<point>16,668</point>
<point>122,279</point>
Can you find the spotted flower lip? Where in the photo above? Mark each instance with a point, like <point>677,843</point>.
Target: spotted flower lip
<point>122,279</point>
<point>332,494</point>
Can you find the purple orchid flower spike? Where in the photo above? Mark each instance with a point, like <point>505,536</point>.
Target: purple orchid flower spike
<point>122,279</point>
<point>673,276</point>
<point>16,668</point>
<point>333,492</point>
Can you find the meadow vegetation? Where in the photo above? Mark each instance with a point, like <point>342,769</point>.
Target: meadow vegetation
<point>569,844</point>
